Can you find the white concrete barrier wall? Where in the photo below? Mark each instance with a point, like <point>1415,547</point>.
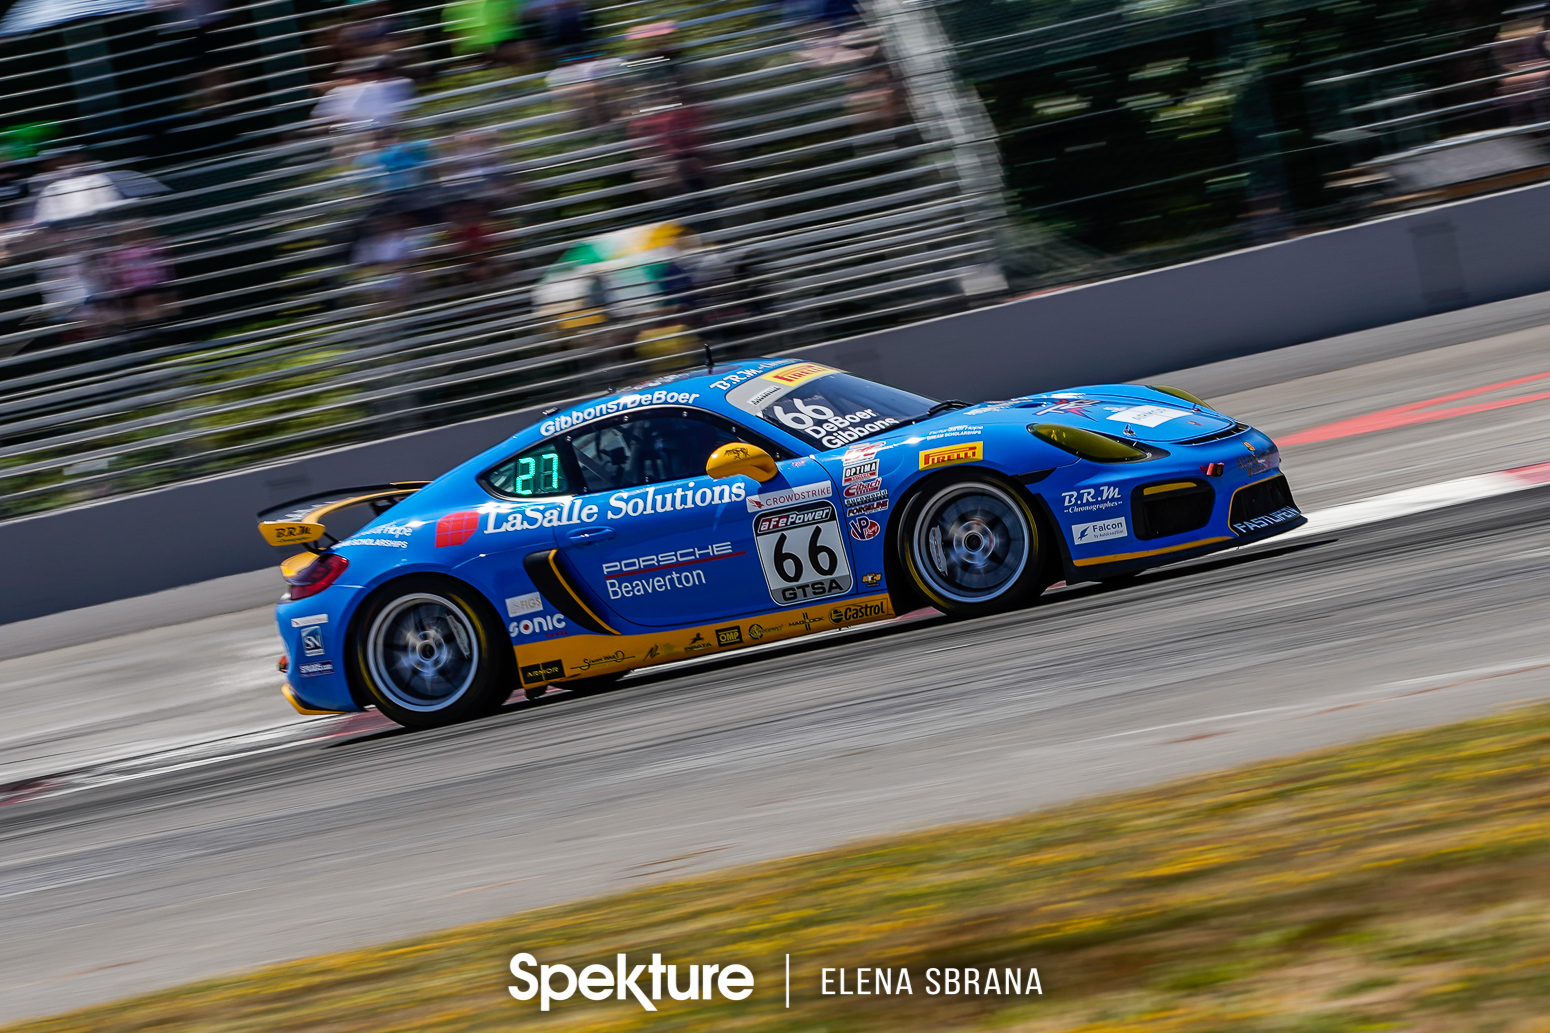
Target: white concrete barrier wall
<point>1399,268</point>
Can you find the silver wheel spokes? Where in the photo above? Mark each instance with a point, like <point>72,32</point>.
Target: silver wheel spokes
<point>975,542</point>
<point>422,652</point>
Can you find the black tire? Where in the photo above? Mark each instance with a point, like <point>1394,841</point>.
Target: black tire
<point>430,651</point>
<point>971,545</point>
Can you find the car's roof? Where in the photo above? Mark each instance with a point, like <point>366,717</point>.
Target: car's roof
<point>700,388</point>
<point>732,373</point>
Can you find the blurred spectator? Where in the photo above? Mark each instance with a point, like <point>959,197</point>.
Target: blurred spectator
<point>75,289</point>
<point>665,343</point>
<point>677,147</point>
<point>561,30</point>
<point>369,95</point>
<point>475,170</point>
<point>201,20</point>
<point>385,255</point>
<point>396,165</point>
<point>1520,50</point>
<point>656,56</point>
<point>585,86</point>
<point>140,277</point>
<point>493,30</point>
<point>472,236</point>
<point>838,13</point>
<point>874,105</point>
<point>13,190</point>
<point>369,33</point>
<point>828,48</point>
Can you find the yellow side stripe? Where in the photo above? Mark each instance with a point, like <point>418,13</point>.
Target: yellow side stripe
<point>1158,489</point>
<point>572,592</point>
<point>1092,561</point>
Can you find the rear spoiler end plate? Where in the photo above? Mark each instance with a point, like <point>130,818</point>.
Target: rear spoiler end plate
<point>302,521</point>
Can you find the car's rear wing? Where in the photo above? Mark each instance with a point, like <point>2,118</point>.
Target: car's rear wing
<point>300,521</point>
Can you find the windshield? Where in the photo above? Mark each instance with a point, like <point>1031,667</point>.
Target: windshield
<point>827,408</point>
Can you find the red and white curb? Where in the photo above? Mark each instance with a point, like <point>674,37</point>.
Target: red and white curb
<point>1420,500</point>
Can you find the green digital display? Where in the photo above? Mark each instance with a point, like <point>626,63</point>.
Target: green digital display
<point>537,475</point>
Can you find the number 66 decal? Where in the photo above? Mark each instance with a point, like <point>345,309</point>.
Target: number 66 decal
<point>802,553</point>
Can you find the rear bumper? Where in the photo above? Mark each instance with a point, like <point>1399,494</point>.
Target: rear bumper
<point>303,707</point>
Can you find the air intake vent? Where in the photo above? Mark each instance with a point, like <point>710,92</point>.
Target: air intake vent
<point>1235,429</point>
<point>1268,498</point>
<point>1172,508</point>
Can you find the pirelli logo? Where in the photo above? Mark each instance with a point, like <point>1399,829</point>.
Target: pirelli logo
<point>790,375</point>
<point>932,458</point>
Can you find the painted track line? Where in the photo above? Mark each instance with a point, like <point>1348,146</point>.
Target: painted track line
<point>1420,500</point>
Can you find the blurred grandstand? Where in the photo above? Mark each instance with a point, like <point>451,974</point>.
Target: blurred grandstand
<point>236,234</point>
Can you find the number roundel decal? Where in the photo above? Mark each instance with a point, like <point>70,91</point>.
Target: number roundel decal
<point>802,553</point>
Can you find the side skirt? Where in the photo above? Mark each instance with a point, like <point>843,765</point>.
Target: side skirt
<point>581,656</point>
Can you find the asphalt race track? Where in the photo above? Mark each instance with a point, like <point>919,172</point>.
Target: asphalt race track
<point>337,834</point>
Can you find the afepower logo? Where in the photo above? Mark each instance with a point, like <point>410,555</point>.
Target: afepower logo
<point>599,982</point>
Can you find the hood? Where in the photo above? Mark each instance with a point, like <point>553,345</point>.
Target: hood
<point>1123,410</point>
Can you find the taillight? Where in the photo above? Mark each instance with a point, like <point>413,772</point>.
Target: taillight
<point>315,576</point>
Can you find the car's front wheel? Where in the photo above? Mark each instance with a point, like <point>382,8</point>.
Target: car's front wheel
<point>426,652</point>
<point>971,546</point>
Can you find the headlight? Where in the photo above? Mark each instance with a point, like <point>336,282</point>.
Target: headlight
<point>1175,392</point>
<point>1100,448</point>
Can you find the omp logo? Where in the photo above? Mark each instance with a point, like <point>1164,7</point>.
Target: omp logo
<point>857,612</point>
<point>547,671</point>
<point>932,458</point>
<point>456,528</point>
<point>790,375</point>
<point>732,636</point>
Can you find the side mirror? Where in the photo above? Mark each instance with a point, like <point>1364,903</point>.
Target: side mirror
<point>738,458</point>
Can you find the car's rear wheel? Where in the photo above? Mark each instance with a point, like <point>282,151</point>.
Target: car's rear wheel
<point>971,546</point>
<point>427,652</point>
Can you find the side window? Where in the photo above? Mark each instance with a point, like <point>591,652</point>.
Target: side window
<point>649,448</point>
<point>536,473</point>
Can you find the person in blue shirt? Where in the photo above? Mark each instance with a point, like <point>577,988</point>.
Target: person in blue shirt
<point>397,165</point>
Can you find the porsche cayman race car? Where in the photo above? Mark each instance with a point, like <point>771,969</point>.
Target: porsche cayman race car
<point>700,513</point>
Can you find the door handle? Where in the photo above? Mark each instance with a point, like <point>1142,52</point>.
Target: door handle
<point>582,535</point>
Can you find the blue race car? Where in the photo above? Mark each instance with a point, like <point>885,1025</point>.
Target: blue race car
<point>703,512</point>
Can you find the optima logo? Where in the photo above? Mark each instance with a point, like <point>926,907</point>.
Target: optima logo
<point>599,982</point>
